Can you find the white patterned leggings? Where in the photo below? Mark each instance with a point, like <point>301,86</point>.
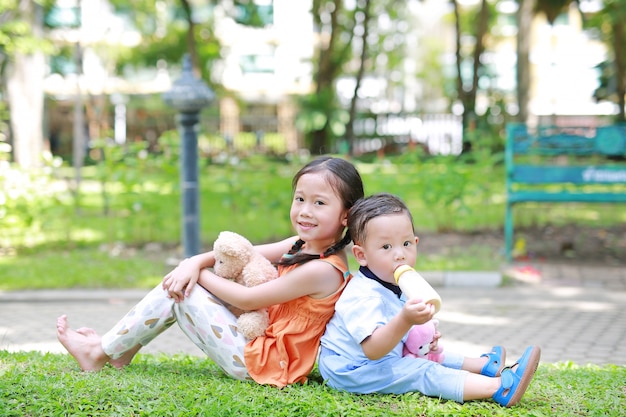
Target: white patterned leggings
<point>201,316</point>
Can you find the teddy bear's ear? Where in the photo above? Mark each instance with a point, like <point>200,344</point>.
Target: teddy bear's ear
<point>234,245</point>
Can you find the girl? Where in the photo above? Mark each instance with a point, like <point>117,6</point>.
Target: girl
<point>313,272</point>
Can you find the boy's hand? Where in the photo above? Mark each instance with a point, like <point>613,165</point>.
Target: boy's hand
<point>418,312</point>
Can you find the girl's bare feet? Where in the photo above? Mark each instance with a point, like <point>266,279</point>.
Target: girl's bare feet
<point>86,331</point>
<point>84,345</point>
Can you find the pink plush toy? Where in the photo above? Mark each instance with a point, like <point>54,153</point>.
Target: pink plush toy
<point>418,342</point>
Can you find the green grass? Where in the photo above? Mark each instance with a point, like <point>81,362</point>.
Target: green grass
<point>82,268</point>
<point>105,267</point>
<point>50,243</point>
<point>155,385</point>
<point>49,239</point>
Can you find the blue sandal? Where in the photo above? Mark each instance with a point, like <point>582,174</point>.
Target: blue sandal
<point>495,364</point>
<point>516,381</point>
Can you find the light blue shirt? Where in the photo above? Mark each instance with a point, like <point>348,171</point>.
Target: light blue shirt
<point>364,306</point>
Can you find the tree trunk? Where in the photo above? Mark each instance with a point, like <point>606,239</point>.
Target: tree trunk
<point>326,75</point>
<point>318,141</point>
<point>191,38</point>
<point>620,67</point>
<point>25,90</point>
<point>483,26</point>
<point>524,20</point>
<point>359,78</point>
<point>468,97</point>
<point>457,50</point>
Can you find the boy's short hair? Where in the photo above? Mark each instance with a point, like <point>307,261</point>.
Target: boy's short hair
<point>368,208</point>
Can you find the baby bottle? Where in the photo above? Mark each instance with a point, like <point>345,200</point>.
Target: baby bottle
<point>413,285</point>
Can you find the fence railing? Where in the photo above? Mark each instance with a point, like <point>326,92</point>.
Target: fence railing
<point>439,134</point>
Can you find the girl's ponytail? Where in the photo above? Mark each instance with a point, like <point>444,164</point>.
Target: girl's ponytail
<point>295,256</point>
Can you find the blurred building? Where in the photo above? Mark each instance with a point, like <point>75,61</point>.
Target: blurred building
<point>564,60</point>
<point>264,67</point>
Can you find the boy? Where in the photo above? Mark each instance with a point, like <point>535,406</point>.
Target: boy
<point>362,346</point>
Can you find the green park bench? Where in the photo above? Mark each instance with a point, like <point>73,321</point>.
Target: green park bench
<point>553,164</point>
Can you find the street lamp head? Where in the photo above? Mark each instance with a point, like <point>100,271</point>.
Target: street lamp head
<point>188,94</point>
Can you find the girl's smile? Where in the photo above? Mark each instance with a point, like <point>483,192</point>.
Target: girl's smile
<point>306,225</point>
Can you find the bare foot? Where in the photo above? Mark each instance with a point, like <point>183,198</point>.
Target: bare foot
<point>86,331</point>
<point>84,346</point>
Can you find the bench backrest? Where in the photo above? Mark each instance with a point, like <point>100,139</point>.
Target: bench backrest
<point>552,140</point>
<point>594,153</point>
<point>533,174</point>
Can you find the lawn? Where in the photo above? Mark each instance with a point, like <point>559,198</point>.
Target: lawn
<point>122,230</point>
<point>50,385</point>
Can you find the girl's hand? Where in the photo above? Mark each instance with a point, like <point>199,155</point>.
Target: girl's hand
<point>181,280</point>
<point>418,312</point>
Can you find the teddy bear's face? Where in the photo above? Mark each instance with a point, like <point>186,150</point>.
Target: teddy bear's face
<point>419,339</point>
<point>423,350</point>
<point>232,253</point>
<point>228,266</point>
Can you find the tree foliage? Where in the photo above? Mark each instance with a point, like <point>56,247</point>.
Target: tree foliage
<point>552,8</point>
<point>612,72</point>
<point>357,39</point>
<point>169,30</point>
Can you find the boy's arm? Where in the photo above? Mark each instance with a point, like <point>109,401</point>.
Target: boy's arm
<point>386,337</point>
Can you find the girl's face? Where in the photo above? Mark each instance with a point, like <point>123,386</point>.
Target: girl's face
<point>317,213</point>
<point>389,243</point>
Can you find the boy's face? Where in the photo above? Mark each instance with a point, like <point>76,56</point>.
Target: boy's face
<point>389,243</point>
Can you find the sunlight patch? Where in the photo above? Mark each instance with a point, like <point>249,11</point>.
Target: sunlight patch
<point>463,318</point>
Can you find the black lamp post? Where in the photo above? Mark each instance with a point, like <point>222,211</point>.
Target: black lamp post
<point>189,95</point>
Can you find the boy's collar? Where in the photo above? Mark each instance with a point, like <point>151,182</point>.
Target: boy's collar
<point>391,287</point>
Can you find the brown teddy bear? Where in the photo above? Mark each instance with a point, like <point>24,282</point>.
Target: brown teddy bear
<point>237,260</point>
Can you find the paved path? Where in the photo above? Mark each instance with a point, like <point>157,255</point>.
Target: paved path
<point>574,314</point>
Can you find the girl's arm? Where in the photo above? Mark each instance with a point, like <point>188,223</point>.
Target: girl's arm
<point>316,278</point>
<point>185,275</point>
<point>385,338</point>
<point>274,251</point>
<point>181,280</point>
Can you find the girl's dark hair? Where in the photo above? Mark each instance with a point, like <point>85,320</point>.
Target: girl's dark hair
<point>346,182</point>
<point>368,208</point>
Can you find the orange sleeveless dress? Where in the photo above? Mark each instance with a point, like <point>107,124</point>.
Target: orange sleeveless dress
<point>287,352</point>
